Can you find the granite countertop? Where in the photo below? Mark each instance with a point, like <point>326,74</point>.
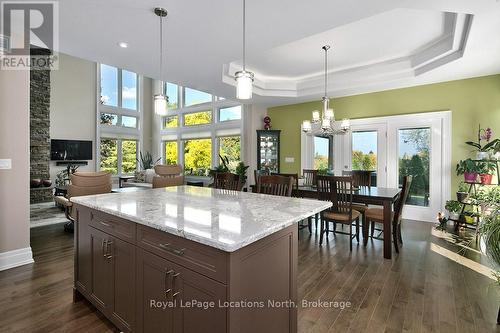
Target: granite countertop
<point>226,220</point>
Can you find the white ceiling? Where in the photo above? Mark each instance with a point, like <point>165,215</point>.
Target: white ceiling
<point>377,44</point>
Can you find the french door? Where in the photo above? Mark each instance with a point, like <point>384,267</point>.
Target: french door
<point>397,146</point>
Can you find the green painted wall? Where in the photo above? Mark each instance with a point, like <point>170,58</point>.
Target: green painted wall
<point>472,101</point>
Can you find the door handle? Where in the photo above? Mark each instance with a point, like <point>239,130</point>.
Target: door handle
<point>167,274</point>
<point>108,255</point>
<point>104,247</point>
<point>167,247</point>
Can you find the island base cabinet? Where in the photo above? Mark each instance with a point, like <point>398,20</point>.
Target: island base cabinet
<point>172,298</point>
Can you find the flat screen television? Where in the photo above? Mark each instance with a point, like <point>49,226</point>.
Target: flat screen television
<point>70,150</point>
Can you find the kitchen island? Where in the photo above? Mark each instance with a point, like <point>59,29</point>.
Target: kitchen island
<point>190,259</point>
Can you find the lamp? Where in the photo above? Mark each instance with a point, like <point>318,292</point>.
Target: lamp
<point>244,78</point>
<point>324,124</point>
<point>160,100</point>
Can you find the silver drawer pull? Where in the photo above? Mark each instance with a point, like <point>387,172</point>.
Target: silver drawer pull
<point>105,224</point>
<point>104,247</point>
<point>175,294</point>
<point>167,247</point>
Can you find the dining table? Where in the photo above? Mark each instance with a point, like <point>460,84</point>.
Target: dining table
<point>369,195</point>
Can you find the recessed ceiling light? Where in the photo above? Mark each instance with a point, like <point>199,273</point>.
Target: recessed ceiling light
<point>123,45</point>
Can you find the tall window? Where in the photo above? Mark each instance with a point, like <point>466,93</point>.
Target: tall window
<point>321,153</point>
<point>172,93</point>
<point>194,97</point>
<point>414,150</point>
<point>364,152</point>
<point>230,147</point>
<point>119,118</point>
<point>198,156</point>
<point>200,129</point>
<point>171,152</point>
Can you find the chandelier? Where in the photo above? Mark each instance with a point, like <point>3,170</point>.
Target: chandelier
<point>160,100</point>
<point>244,78</point>
<point>323,123</point>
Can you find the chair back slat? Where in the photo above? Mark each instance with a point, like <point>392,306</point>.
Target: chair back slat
<point>275,185</point>
<point>309,177</point>
<point>403,196</point>
<point>338,190</point>
<point>227,181</point>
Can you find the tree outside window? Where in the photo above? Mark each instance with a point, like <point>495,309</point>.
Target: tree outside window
<point>171,152</point>
<point>230,147</point>
<point>109,156</point>
<point>198,156</point>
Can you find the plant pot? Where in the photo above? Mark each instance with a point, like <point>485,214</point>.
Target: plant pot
<point>485,178</point>
<point>46,183</point>
<point>470,177</point>
<point>454,216</point>
<point>36,182</point>
<point>462,196</point>
<point>496,156</point>
<point>482,155</point>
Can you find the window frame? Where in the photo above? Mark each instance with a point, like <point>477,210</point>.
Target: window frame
<point>119,132</point>
<point>212,130</point>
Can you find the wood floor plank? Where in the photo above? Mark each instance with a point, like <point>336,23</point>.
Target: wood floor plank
<point>419,290</point>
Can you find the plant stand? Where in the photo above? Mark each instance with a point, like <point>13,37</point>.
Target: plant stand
<point>473,189</point>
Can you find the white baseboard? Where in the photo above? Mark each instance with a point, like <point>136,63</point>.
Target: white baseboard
<point>15,258</point>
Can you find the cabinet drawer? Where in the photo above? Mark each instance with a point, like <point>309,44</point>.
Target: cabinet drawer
<point>113,225</point>
<point>197,257</point>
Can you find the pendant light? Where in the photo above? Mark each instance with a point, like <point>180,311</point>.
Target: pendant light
<point>244,78</point>
<point>160,100</point>
<point>323,123</point>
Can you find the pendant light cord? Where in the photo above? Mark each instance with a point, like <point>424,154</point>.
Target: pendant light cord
<point>244,30</point>
<point>161,46</point>
<point>326,71</point>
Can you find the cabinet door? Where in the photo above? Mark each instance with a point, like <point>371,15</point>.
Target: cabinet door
<point>123,261</point>
<point>102,271</point>
<point>154,292</point>
<point>201,299</point>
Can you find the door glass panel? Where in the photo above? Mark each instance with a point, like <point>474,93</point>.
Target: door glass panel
<point>230,147</point>
<point>321,153</point>
<point>364,152</point>
<point>414,150</point>
<point>109,156</point>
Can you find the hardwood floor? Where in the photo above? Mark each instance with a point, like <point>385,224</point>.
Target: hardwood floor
<point>426,288</point>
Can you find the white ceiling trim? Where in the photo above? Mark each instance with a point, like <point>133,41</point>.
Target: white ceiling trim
<point>448,47</point>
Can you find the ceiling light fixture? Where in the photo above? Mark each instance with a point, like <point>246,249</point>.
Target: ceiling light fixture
<point>324,124</point>
<point>160,100</point>
<point>123,45</point>
<point>244,78</point>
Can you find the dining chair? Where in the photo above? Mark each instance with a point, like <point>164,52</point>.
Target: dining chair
<point>160,181</point>
<point>275,185</point>
<point>359,178</point>
<point>227,181</point>
<point>257,173</point>
<point>376,215</point>
<point>170,170</point>
<point>295,177</point>
<point>338,190</point>
<point>309,177</point>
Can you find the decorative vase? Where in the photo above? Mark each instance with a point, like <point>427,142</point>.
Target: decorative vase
<point>482,155</point>
<point>462,196</point>
<point>485,178</point>
<point>46,182</point>
<point>470,177</point>
<point>36,182</point>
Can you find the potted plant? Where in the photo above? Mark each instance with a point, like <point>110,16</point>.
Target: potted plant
<point>490,232</point>
<point>453,207</point>
<point>223,167</point>
<point>469,169</point>
<point>485,170</point>
<point>241,170</point>
<point>146,164</point>
<point>488,198</point>
<point>462,193</point>
<point>483,135</point>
